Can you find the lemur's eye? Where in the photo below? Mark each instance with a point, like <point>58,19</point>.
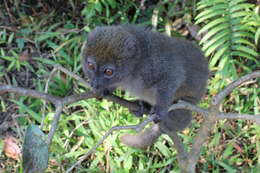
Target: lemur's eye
<point>108,72</point>
<point>91,66</point>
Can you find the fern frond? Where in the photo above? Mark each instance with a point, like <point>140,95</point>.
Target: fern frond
<point>227,34</point>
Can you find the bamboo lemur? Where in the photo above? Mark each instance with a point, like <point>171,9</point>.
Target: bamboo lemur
<point>155,68</point>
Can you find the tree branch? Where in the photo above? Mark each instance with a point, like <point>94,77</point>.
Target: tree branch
<point>54,123</point>
<point>220,96</point>
<point>28,92</point>
<point>186,105</point>
<point>255,118</point>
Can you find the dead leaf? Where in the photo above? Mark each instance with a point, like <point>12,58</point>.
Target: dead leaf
<point>11,148</point>
<point>238,148</point>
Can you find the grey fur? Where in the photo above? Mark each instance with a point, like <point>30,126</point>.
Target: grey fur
<point>156,68</point>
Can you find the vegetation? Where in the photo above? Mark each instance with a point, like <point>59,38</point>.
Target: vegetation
<point>35,35</point>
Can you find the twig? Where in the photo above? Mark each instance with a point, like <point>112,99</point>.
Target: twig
<point>53,72</point>
<point>9,12</point>
<point>14,118</point>
<point>71,74</point>
<point>28,92</point>
<point>77,97</point>
<point>72,132</point>
<point>218,98</point>
<point>255,118</point>
<point>55,122</point>
<point>110,131</point>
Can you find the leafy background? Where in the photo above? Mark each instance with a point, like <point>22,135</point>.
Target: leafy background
<point>35,35</point>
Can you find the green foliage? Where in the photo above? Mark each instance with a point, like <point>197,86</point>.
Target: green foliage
<point>254,20</point>
<point>229,37</point>
<point>109,11</point>
<point>57,36</point>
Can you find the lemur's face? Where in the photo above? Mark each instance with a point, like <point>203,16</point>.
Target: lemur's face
<point>101,76</point>
<point>107,57</point>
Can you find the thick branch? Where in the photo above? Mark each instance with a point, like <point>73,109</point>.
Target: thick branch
<point>28,92</point>
<point>202,135</point>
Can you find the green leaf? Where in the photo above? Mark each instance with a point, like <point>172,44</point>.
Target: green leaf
<point>10,39</point>
<point>247,69</point>
<point>128,162</point>
<point>163,149</point>
<point>245,49</point>
<point>25,108</point>
<point>207,14</point>
<point>47,35</point>
<point>243,34</point>
<point>240,40</point>
<point>257,35</point>
<point>222,50</point>
<point>215,38</point>
<point>213,23</point>
<point>238,7</point>
<point>239,14</point>
<point>20,43</point>
<point>228,151</point>
<point>112,3</point>
<point>216,5</point>
<point>98,7</point>
<point>241,27</point>
<point>223,62</point>
<point>214,46</point>
<point>228,168</point>
<point>90,12</point>
<point>235,2</point>
<point>202,4</point>
<point>243,54</point>
<point>219,28</point>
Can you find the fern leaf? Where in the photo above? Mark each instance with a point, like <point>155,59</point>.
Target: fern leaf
<point>222,51</point>
<point>217,29</point>
<point>213,23</point>
<point>227,33</point>
<point>257,35</point>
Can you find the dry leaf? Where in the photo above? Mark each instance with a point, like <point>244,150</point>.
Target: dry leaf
<point>11,148</point>
<point>238,148</point>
